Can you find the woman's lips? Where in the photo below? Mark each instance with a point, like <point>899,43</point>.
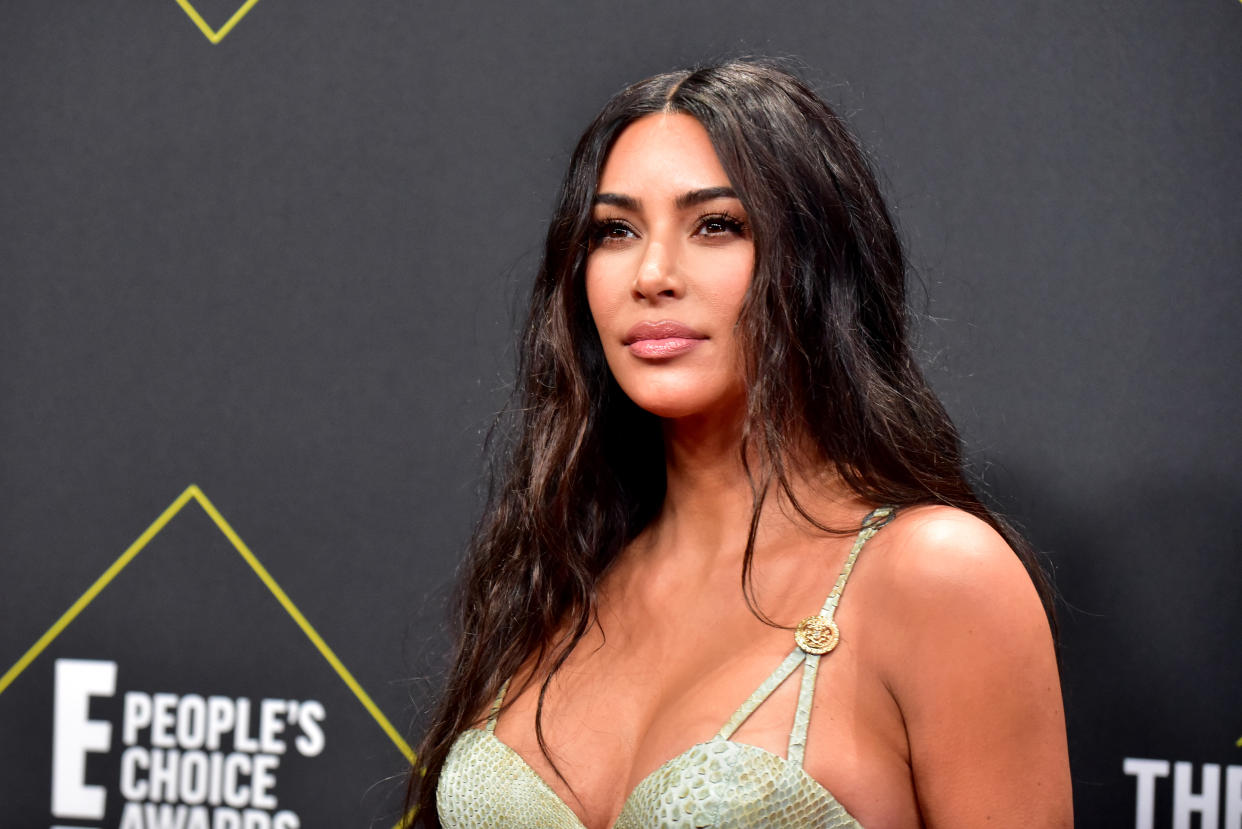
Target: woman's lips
<point>663,339</point>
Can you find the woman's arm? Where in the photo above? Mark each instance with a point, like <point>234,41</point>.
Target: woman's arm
<point>971,664</point>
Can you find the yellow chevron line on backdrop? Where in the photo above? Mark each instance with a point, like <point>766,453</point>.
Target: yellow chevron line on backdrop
<point>215,35</point>
<point>193,493</point>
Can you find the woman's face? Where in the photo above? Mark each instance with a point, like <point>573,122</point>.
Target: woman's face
<point>670,262</point>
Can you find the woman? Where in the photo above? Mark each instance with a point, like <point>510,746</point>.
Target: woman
<point>718,412</point>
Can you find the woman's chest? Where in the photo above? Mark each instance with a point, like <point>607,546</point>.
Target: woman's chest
<point>631,698</point>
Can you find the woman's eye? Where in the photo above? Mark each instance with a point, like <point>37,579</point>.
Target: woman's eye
<point>720,225</point>
<point>611,232</point>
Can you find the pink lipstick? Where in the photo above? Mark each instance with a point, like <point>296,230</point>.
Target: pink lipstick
<point>661,340</point>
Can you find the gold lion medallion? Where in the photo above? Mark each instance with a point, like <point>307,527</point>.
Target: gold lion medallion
<point>817,634</point>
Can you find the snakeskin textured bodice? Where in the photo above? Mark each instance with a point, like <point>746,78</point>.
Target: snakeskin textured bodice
<point>719,783</point>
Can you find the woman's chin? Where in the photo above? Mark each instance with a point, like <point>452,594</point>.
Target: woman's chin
<point>691,406</point>
<point>675,392</point>
<point>669,410</point>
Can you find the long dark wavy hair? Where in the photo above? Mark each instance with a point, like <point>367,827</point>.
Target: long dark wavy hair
<point>828,366</point>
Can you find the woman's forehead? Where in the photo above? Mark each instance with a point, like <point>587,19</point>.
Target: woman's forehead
<point>665,153</point>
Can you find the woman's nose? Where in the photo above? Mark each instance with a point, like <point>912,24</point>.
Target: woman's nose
<point>657,272</point>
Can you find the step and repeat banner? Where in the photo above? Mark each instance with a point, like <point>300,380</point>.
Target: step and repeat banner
<point>261,263</point>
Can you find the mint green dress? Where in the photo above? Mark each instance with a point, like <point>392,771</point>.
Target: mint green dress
<point>719,783</point>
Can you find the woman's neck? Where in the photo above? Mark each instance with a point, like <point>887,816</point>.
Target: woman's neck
<point>709,498</point>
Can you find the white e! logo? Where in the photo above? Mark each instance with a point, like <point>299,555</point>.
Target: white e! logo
<point>74,734</point>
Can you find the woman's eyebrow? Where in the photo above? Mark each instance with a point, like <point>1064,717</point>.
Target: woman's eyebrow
<point>687,199</point>
<point>617,200</point>
<point>706,194</point>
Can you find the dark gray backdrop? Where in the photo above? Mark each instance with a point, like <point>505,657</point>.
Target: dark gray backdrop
<point>283,268</point>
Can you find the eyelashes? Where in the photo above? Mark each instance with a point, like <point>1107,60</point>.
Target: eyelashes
<point>610,231</point>
<point>719,225</point>
<point>715,224</point>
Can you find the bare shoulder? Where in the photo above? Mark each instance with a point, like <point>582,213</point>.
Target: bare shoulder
<point>968,656</point>
<point>950,586</point>
<point>938,556</point>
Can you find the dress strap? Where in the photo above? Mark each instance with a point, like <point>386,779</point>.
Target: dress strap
<point>871,525</point>
<point>824,635</point>
<point>494,714</point>
<point>808,658</point>
<point>802,714</point>
<point>761,693</point>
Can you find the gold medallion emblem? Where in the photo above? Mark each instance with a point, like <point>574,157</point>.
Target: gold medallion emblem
<point>817,634</point>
